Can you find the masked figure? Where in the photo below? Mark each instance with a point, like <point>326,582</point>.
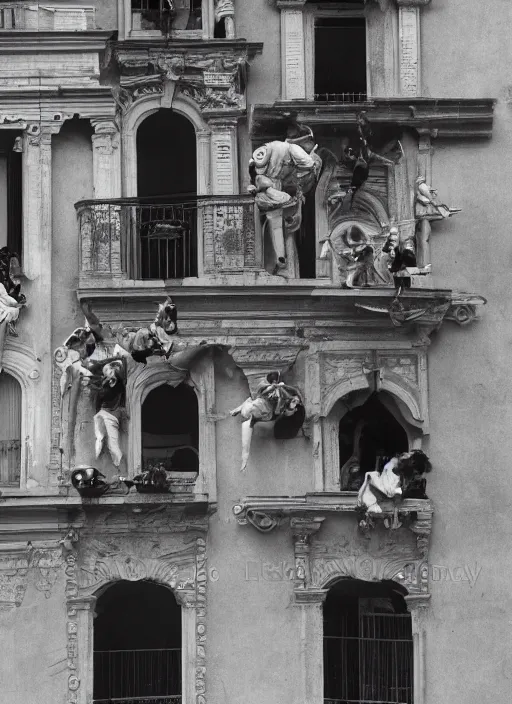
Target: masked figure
<point>281,172</point>
<point>273,401</point>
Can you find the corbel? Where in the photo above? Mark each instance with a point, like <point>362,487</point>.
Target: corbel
<point>303,528</point>
<point>258,361</point>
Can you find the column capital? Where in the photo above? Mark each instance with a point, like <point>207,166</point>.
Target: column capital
<point>412,3</point>
<point>290,4</point>
<point>310,596</point>
<point>82,603</point>
<point>104,126</point>
<point>305,526</point>
<point>219,123</point>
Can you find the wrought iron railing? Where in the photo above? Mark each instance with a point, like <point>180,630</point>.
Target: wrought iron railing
<point>341,97</point>
<point>137,676</point>
<point>10,462</point>
<point>373,667</point>
<point>172,239</point>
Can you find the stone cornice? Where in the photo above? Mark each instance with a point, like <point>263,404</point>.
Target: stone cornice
<point>443,117</point>
<point>156,45</point>
<point>61,42</point>
<point>41,103</point>
<point>412,3</point>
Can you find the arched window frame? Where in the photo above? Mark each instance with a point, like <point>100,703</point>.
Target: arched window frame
<point>141,382</point>
<point>146,106</point>
<point>333,374</point>
<point>20,362</point>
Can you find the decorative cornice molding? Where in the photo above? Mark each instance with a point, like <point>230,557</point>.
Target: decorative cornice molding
<point>412,3</point>
<point>444,117</point>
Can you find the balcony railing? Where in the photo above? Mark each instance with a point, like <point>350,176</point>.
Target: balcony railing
<point>173,239</point>
<point>10,462</point>
<point>137,676</point>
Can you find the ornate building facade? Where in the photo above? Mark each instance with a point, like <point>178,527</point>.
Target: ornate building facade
<point>221,502</point>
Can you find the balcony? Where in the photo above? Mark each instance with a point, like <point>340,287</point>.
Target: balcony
<point>124,241</point>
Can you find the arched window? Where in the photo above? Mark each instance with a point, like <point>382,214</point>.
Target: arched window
<point>137,645</point>
<point>369,435</point>
<point>167,189</point>
<point>170,429</point>
<point>368,646</point>
<point>10,430</point>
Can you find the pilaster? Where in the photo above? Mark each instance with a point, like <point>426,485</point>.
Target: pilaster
<point>80,648</point>
<point>417,605</point>
<point>37,267</point>
<point>224,156</point>
<point>106,159</point>
<point>410,46</point>
<point>293,70</point>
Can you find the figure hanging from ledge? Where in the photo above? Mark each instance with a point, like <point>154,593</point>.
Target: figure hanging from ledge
<point>359,163</point>
<point>273,401</point>
<point>108,382</point>
<point>156,339</point>
<point>402,477</point>
<point>225,10</point>
<point>281,173</point>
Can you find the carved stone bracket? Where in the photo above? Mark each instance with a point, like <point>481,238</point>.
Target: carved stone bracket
<point>401,555</point>
<point>213,77</point>
<point>257,361</point>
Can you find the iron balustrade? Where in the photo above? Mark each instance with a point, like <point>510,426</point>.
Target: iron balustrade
<point>171,239</point>
<point>10,462</point>
<point>137,676</point>
<point>373,667</point>
<point>341,97</point>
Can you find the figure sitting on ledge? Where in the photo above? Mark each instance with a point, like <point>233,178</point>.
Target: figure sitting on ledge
<point>273,401</point>
<point>11,298</point>
<point>401,477</point>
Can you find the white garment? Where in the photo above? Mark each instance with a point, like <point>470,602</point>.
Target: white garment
<point>106,426</point>
<point>387,483</point>
<point>9,307</point>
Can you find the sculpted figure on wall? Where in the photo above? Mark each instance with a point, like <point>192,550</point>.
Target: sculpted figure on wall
<point>402,477</point>
<point>272,401</point>
<point>426,209</point>
<point>11,298</point>
<point>225,10</point>
<point>95,368</point>
<point>281,173</point>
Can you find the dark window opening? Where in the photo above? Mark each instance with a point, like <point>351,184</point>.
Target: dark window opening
<point>368,649</point>
<point>167,189</point>
<point>10,191</point>
<point>170,429</point>
<point>369,436</point>
<point>167,15</point>
<point>137,645</point>
<point>10,430</point>
<point>340,59</point>
<point>306,239</point>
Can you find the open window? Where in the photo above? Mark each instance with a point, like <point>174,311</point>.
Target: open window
<point>369,436</point>
<point>137,645</point>
<point>10,430</point>
<point>336,33</point>
<point>368,644</point>
<point>10,191</point>
<point>166,214</point>
<point>168,18</point>
<point>170,429</point>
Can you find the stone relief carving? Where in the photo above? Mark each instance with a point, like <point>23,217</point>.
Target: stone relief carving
<point>281,173</point>
<point>215,80</point>
<point>26,564</point>
<point>273,401</point>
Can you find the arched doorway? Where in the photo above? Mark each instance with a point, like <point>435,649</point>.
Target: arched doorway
<point>170,429</point>
<point>167,192</point>
<point>10,430</point>
<point>137,645</point>
<point>368,645</point>
<point>369,435</point>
